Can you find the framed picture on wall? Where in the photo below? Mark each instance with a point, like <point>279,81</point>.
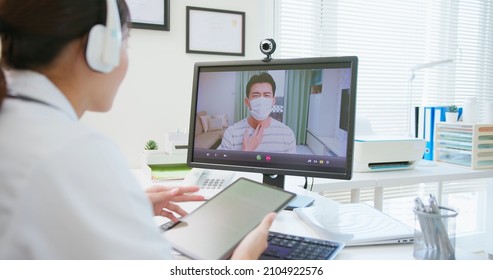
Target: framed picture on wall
<point>212,31</point>
<point>149,14</point>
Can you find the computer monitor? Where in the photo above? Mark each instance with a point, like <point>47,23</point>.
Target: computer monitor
<point>282,117</point>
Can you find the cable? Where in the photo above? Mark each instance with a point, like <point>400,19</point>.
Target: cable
<point>306,183</point>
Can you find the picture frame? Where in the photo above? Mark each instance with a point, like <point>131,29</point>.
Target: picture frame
<point>214,31</point>
<point>150,14</point>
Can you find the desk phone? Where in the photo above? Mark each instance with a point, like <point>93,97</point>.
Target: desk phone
<point>210,182</point>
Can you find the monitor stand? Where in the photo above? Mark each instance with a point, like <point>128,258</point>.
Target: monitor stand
<point>278,181</point>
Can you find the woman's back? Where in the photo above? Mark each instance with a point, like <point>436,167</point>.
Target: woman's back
<point>65,190</point>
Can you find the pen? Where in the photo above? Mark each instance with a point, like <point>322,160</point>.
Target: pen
<point>420,207</point>
<point>441,231</point>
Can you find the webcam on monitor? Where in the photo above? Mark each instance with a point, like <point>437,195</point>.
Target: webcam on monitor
<point>267,47</point>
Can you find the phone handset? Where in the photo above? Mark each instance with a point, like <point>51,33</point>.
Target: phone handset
<point>193,177</point>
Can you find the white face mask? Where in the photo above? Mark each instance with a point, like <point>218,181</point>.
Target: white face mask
<point>261,108</point>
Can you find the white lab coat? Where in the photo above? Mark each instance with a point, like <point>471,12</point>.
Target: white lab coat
<point>65,190</point>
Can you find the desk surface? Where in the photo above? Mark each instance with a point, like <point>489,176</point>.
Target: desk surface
<point>424,172</point>
<point>288,222</point>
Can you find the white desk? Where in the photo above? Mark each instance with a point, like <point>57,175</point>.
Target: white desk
<point>424,172</point>
<point>288,222</point>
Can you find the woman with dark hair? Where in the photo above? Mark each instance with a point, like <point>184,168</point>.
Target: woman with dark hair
<point>65,190</point>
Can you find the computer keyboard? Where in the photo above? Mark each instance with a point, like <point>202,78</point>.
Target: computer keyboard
<point>291,247</point>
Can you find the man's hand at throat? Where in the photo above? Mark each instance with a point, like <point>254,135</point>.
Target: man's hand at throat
<point>251,142</point>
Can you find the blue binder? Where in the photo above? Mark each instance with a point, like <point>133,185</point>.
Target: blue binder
<point>432,115</point>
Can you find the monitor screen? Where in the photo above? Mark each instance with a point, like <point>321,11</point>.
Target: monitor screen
<point>282,117</point>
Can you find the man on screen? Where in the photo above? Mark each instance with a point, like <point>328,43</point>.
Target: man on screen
<point>259,132</point>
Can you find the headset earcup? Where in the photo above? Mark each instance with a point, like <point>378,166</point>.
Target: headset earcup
<point>95,49</point>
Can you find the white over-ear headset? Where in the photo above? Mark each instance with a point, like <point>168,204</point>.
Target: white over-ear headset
<point>104,41</point>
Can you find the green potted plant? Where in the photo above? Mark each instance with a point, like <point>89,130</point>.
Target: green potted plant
<point>452,114</point>
<point>151,151</point>
<point>151,145</point>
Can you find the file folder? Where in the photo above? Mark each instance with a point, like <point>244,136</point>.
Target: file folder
<point>432,115</point>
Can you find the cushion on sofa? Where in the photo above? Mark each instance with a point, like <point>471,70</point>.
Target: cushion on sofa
<point>198,123</point>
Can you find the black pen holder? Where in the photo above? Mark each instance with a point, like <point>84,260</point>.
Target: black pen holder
<point>434,234</point>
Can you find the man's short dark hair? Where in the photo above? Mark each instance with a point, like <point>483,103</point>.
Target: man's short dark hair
<point>263,77</point>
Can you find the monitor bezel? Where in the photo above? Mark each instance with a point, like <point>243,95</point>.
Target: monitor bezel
<point>279,64</point>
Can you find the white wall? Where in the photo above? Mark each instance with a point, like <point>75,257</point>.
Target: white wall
<point>155,96</point>
<point>217,89</point>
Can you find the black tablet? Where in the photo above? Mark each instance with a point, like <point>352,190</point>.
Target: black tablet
<point>213,230</point>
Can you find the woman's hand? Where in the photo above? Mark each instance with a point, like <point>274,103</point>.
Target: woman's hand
<point>255,243</point>
<point>162,199</point>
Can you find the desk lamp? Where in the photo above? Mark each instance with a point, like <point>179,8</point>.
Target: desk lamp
<point>415,69</point>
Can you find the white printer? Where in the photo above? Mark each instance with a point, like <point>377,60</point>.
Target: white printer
<point>377,153</point>
<point>374,152</point>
